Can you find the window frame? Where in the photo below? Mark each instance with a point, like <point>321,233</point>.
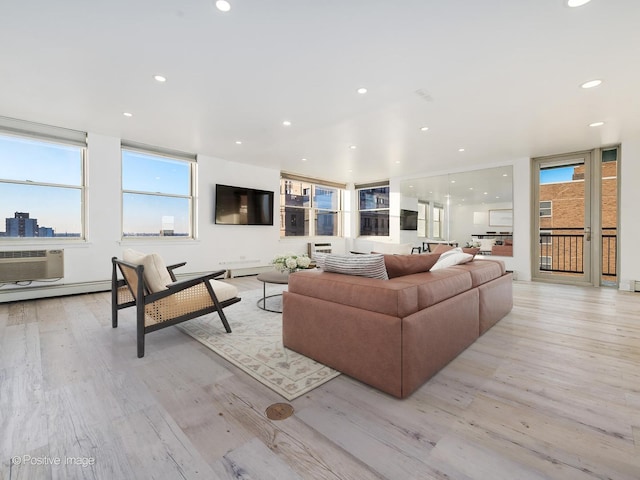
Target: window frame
<point>438,219</point>
<point>549,208</point>
<point>311,210</point>
<point>44,135</point>
<point>171,156</point>
<point>387,209</point>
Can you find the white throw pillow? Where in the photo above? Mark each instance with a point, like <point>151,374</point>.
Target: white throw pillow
<point>454,256</point>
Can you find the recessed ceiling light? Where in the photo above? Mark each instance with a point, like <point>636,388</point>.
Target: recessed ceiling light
<point>238,142</point>
<point>286,123</point>
<point>303,159</point>
<point>128,114</point>
<point>410,186</point>
<point>470,188</point>
<point>223,5</point>
<point>349,171</point>
<point>362,91</point>
<point>424,129</point>
<point>397,162</point>
<point>160,78</point>
<point>577,3</point>
<point>591,83</point>
<point>461,149</point>
<point>352,147</point>
<point>453,181</point>
<point>505,174</point>
<point>596,124</point>
<point>486,193</point>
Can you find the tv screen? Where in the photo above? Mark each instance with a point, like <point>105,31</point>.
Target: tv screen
<point>408,220</point>
<point>243,206</point>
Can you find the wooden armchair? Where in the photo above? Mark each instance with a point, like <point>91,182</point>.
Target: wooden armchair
<point>160,300</point>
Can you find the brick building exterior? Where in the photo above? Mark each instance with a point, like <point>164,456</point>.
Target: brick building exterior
<point>562,222</point>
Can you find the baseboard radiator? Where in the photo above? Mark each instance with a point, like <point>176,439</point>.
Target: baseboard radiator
<point>30,265</point>
<point>246,271</point>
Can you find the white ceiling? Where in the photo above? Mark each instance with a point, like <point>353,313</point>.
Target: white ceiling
<point>498,78</point>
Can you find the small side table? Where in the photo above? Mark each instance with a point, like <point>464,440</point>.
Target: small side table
<point>274,277</point>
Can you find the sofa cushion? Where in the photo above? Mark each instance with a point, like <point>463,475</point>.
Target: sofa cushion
<point>391,297</point>
<point>371,266</point>
<point>482,271</point>
<point>471,250</point>
<point>438,285</point>
<point>400,265</point>
<point>453,257</point>
<point>442,248</point>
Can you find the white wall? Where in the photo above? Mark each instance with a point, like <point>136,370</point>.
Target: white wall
<point>629,231</point>
<point>409,236</point>
<point>462,226</point>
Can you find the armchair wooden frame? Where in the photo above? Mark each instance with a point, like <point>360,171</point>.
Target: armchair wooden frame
<point>181,301</point>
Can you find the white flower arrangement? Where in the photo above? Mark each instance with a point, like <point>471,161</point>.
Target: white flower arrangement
<point>290,262</point>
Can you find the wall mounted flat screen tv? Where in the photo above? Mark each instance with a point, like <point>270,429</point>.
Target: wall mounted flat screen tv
<point>408,220</point>
<point>243,206</point>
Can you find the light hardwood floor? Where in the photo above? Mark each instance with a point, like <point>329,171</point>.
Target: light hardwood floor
<point>552,391</point>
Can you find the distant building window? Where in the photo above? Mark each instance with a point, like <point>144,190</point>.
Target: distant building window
<point>546,208</point>
<point>157,193</point>
<point>545,263</point>
<point>42,186</point>
<point>309,208</point>
<point>373,207</point>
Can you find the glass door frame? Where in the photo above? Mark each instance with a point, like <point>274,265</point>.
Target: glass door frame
<point>590,251</point>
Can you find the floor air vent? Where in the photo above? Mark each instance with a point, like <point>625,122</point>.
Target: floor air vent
<point>26,265</point>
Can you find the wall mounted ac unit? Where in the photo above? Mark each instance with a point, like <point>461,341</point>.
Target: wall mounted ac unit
<point>27,265</point>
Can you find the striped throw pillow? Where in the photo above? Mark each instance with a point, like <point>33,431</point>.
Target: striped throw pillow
<point>371,266</point>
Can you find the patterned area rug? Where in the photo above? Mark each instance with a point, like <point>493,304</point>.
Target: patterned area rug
<point>255,345</point>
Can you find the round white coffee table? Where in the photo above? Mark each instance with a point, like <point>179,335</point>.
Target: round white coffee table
<point>274,277</point>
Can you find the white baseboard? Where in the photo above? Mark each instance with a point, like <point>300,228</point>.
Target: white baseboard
<point>45,291</point>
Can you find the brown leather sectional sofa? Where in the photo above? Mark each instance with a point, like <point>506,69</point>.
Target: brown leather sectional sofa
<point>394,334</point>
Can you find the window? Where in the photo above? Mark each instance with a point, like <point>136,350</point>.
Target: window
<point>373,208</point>
<point>423,218</point>
<point>546,237</point>
<point>438,220</point>
<point>545,208</point>
<point>308,208</point>
<point>157,193</point>
<point>545,263</point>
<point>41,182</point>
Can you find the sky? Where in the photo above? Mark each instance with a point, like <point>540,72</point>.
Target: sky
<point>555,175</point>
<point>28,161</point>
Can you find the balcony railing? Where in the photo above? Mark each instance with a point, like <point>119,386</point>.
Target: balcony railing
<point>563,251</point>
